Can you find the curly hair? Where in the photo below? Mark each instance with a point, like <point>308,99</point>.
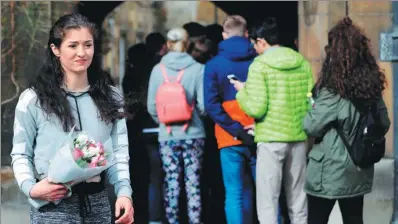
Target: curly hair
<point>350,69</point>
<point>48,82</point>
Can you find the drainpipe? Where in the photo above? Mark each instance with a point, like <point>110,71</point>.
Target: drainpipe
<point>395,118</point>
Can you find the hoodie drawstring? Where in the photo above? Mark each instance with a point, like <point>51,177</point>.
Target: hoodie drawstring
<point>84,189</point>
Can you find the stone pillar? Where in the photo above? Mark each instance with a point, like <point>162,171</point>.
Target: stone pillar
<point>209,13</point>
<point>315,20</point>
<point>374,18</point>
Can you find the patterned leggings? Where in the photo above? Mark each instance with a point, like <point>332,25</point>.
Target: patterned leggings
<point>190,153</point>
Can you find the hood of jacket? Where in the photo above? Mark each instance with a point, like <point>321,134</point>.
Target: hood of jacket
<point>282,58</point>
<point>177,60</point>
<point>236,49</point>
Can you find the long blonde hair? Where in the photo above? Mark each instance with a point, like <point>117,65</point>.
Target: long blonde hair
<point>177,40</point>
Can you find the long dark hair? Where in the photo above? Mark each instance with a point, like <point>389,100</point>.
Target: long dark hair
<point>350,69</point>
<point>49,80</point>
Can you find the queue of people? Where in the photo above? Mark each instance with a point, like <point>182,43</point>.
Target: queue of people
<point>219,116</point>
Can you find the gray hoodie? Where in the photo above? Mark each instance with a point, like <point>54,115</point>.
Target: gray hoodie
<point>192,81</point>
<point>37,137</point>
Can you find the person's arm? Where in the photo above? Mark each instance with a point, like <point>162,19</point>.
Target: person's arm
<point>322,114</point>
<point>253,98</point>
<point>199,92</point>
<point>213,103</point>
<point>152,89</point>
<point>24,136</point>
<point>119,174</point>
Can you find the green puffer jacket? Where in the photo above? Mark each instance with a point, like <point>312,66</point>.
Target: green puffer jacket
<point>330,171</point>
<point>275,94</point>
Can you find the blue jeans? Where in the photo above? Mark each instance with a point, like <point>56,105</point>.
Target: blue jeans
<point>238,170</point>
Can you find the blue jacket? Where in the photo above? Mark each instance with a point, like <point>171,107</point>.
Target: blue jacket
<point>234,57</point>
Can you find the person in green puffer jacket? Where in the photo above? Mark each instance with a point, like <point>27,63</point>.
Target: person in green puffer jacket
<point>350,82</point>
<point>275,94</point>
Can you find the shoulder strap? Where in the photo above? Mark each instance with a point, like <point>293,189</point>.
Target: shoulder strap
<point>180,74</point>
<point>340,133</point>
<point>164,73</point>
<point>165,76</point>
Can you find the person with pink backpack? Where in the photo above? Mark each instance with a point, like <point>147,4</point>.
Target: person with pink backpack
<point>175,101</point>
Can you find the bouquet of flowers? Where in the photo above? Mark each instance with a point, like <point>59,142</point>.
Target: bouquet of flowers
<point>79,159</point>
<point>88,153</point>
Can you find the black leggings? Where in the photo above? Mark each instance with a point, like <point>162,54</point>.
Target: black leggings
<point>319,209</point>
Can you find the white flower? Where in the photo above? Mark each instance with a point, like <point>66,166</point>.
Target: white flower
<point>94,150</point>
<point>87,153</point>
<point>82,138</point>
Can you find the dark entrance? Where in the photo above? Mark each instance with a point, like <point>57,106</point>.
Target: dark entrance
<point>286,13</point>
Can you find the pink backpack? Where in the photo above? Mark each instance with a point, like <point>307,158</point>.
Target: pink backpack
<point>171,102</point>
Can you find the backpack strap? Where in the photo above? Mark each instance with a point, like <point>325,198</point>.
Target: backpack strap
<point>164,73</point>
<point>168,127</point>
<point>185,127</point>
<point>340,133</point>
<point>343,138</point>
<point>179,76</point>
<point>165,76</point>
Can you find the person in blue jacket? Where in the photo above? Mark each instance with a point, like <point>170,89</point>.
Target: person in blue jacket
<point>234,56</point>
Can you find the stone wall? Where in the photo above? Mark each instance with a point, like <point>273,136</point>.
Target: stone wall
<point>180,12</point>
<point>132,21</point>
<point>316,18</point>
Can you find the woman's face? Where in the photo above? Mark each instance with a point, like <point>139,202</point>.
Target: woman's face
<point>76,50</point>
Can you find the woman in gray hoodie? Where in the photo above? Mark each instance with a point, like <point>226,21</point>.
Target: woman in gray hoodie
<point>71,90</point>
<point>181,148</point>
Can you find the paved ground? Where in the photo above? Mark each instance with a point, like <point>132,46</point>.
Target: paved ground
<point>377,210</point>
<point>14,214</point>
<point>19,214</point>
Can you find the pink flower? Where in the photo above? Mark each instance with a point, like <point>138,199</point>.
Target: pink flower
<point>94,162</point>
<point>101,147</point>
<point>92,165</point>
<point>101,160</point>
<point>77,154</point>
